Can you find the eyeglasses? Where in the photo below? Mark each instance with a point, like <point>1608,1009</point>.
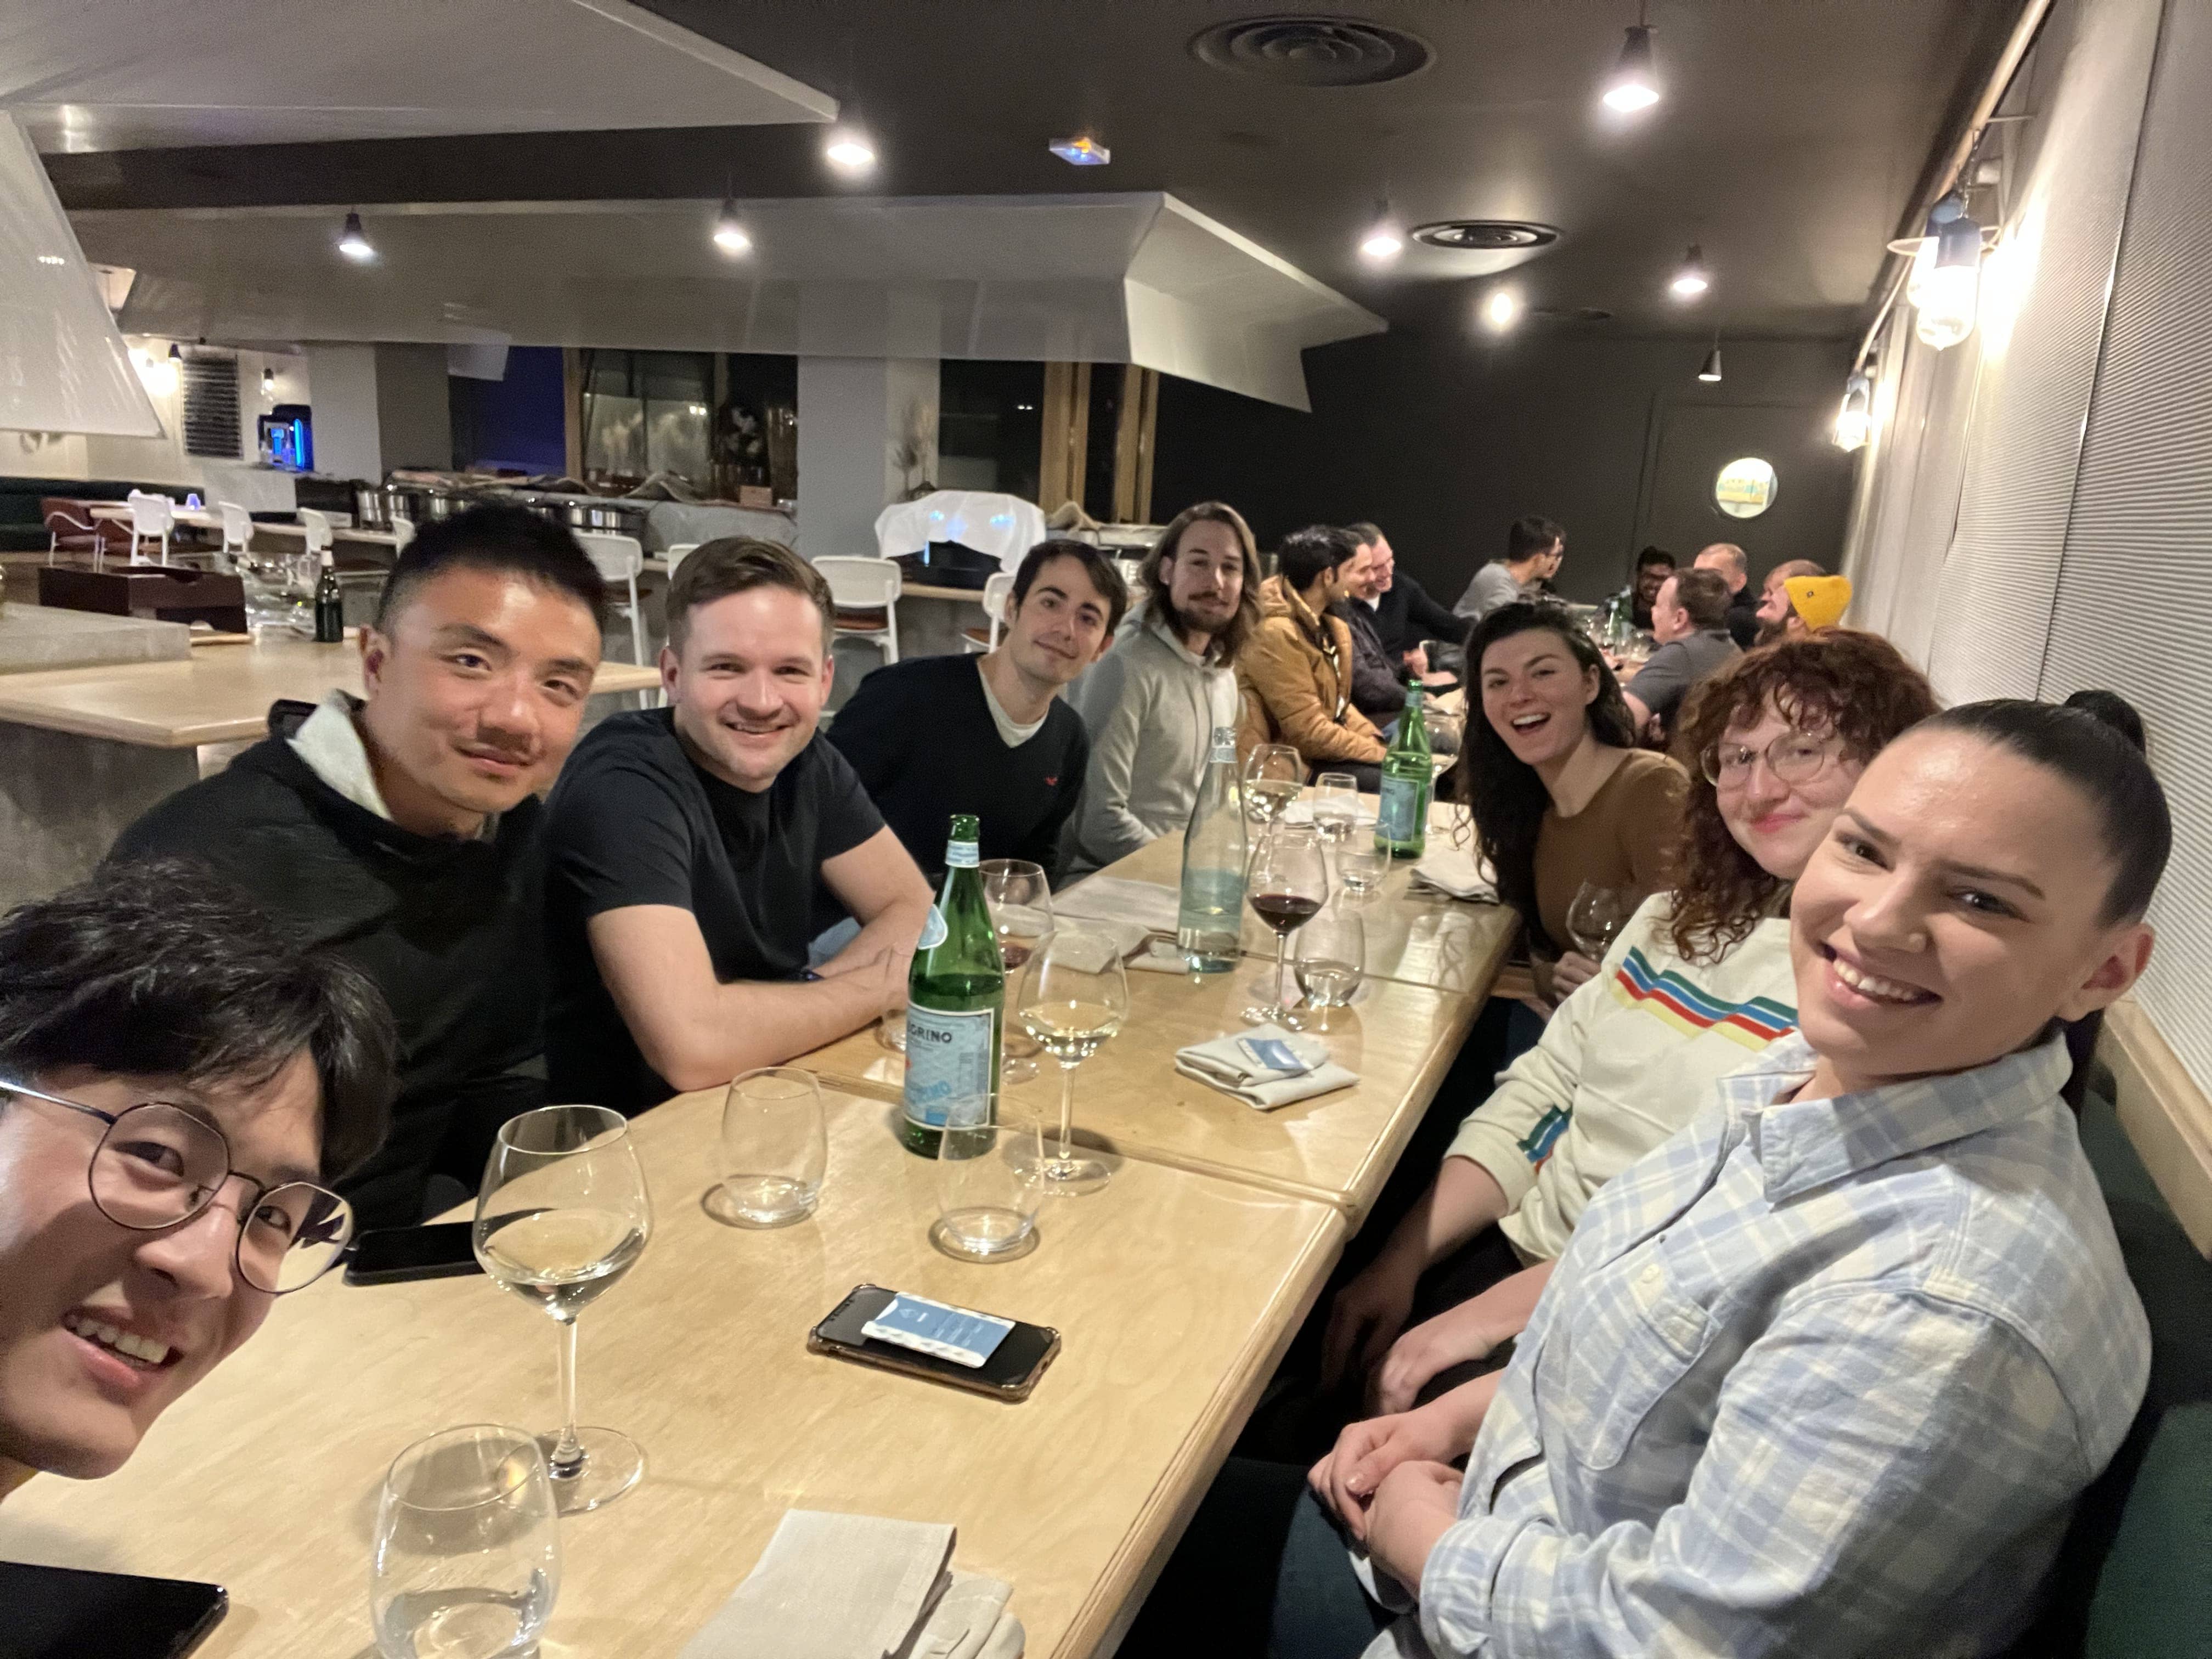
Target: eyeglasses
<point>1793,757</point>
<point>159,1164</point>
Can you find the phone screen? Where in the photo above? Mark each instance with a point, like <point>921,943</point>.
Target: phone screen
<point>390,1255</point>
<point>1019,1355</point>
<point>62,1612</point>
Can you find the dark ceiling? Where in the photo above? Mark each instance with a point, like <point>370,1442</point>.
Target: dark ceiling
<point>1793,136</point>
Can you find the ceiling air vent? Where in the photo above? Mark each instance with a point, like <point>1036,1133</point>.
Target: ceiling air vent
<point>1313,51</point>
<point>1484,235</point>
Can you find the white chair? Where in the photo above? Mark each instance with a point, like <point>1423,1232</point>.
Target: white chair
<point>997,590</point>
<point>618,559</point>
<point>674,553</point>
<point>237,533</point>
<point>866,592</point>
<point>402,531</point>
<point>152,517</point>
<point>320,535</point>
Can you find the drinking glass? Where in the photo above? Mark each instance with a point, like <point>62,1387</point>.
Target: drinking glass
<point>1020,899</point>
<point>990,1181</point>
<point>1332,958</point>
<point>1596,916</point>
<point>1074,997</point>
<point>1273,775</point>
<point>563,1213</point>
<point>467,1558</point>
<point>774,1149</point>
<point>1287,885</point>
<point>1336,806</point>
<point>1361,870</point>
<point>890,1029</point>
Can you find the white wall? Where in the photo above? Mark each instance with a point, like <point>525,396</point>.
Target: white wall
<point>854,412</point>
<point>343,378</point>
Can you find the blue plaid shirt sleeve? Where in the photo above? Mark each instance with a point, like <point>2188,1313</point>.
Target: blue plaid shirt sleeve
<point>1871,1450</point>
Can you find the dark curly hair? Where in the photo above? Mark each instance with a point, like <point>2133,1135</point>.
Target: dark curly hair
<point>1854,685</point>
<point>1501,790</point>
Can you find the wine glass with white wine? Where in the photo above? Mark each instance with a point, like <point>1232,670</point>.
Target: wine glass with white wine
<point>1018,896</point>
<point>1074,997</point>
<point>1274,773</point>
<point>562,1215</point>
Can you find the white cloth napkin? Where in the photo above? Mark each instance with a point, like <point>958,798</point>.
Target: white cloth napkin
<point>857,1587</point>
<point>1090,945</point>
<point>1150,904</point>
<point>1459,874</point>
<point>1159,956</point>
<point>1220,1064</point>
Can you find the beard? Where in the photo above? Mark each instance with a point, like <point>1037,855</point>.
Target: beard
<point>1769,632</point>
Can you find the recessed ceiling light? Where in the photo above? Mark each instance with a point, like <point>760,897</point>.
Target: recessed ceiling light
<point>1083,152</point>
<point>848,150</point>
<point>1693,279</point>
<point>354,242</point>
<point>1501,310</point>
<point>730,235</point>
<point>1634,84</point>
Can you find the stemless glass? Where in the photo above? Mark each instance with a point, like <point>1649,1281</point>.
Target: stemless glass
<point>1074,997</point>
<point>1332,958</point>
<point>774,1149</point>
<point>1019,898</point>
<point>467,1558</point>
<point>1362,870</point>
<point>1273,775</point>
<point>1596,915</point>
<point>1287,884</point>
<point>990,1181</point>
<point>563,1213</point>
<point>1335,806</point>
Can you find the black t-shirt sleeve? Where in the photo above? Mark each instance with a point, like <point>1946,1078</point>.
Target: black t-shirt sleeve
<point>844,816</point>
<point>619,836</point>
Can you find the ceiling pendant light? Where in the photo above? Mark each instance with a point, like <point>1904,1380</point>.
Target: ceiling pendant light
<point>1634,83</point>
<point>1501,310</point>
<point>1383,241</point>
<point>268,381</point>
<point>729,234</point>
<point>1923,255</point>
<point>1710,373</point>
<point>1693,279</point>
<point>354,242</point>
<point>1947,297</point>
<point>1857,414</point>
<point>848,150</point>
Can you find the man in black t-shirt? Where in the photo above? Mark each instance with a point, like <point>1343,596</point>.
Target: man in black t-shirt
<point>932,736</point>
<point>686,841</point>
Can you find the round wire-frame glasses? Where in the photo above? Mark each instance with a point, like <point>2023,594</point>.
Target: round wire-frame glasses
<point>159,1164</point>
<point>1794,758</point>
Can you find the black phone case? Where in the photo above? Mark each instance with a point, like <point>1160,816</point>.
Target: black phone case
<point>890,1356</point>
<point>402,1272</point>
<point>68,1613</point>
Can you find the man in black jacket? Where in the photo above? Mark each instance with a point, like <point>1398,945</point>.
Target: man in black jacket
<point>1406,618</point>
<point>404,831</point>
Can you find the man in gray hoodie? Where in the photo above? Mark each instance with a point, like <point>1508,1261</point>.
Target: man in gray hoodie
<point>1152,702</point>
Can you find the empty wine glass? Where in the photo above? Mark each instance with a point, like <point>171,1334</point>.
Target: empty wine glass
<point>467,1558</point>
<point>1332,958</point>
<point>1020,899</point>
<point>1596,915</point>
<point>1273,775</point>
<point>774,1149</point>
<point>1287,886</point>
<point>562,1214</point>
<point>1075,994</point>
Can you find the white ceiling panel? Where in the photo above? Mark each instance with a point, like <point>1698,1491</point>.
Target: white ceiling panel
<point>106,74</point>
<point>1135,277</point>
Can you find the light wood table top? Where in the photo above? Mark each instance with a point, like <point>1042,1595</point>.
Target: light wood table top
<point>1174,1294</point>
<point>215,697</point>
<point>338,532</point>
<point>1130,1099</point>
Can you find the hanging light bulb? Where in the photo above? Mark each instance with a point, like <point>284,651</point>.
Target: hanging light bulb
<point>1634,84</point>
<point>1857,414</point>
<point>847,149</point>
<point>1923,256</point>
<point>1693,279</point>
<point>1948,296</point>
<point>1710,373</point>
<point>1501,310</point>
<point>1383,242</point>
<point>354,242</point>
<point>730,235</point>
<point>268,381</point>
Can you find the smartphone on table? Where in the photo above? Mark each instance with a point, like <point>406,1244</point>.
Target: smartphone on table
<point>897,1331</point>
<point>65,1612</point>
<point>394,1255</point>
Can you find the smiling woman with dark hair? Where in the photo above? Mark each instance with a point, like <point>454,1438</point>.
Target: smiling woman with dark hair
<point>177,1082</point>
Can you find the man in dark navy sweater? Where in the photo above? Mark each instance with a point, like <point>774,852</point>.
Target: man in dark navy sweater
<point>990,735</point>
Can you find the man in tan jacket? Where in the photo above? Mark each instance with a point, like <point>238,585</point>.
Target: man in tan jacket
<point>1295,673</point>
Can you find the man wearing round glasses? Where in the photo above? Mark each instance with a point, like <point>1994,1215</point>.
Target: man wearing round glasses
<point>178,1085</point>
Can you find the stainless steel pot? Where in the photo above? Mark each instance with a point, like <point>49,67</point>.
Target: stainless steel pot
<point>618,520</point>
<point>372,510</point>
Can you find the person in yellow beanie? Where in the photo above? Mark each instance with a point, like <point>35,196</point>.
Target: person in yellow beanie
<point>1816,602</point>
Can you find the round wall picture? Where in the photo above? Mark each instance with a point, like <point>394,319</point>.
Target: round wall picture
<point>1745,488</point>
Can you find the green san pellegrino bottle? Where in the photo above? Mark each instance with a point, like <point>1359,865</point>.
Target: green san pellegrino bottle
<point>1402,826</point>
<point>1210,913</point>
<point>956,1003</point>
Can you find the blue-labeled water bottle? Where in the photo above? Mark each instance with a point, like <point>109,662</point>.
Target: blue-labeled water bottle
<point>956,1004</point>
<point>1211,914</point>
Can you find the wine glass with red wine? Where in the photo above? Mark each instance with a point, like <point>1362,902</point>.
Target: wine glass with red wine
<point>1287,884</point>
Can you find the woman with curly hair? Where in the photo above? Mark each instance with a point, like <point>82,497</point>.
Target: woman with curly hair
<point>1697,983</point>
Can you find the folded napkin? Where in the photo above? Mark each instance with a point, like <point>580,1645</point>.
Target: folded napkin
<point>858,1587</point>
<point>1160,956</point>
<point>1459,874</point>
<point>1090,945</point>
<point>1150,904</point>
<point>1222,1064</point>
